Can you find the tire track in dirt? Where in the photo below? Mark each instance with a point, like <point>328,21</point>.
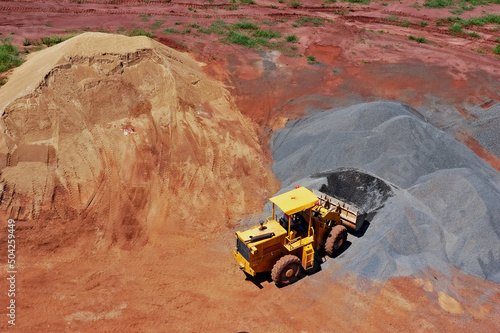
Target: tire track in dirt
<point>291,13</point>
<point>417,27</point>
<point>130,3</point>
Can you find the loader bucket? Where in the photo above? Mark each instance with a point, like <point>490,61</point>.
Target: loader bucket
<point>349,215</point>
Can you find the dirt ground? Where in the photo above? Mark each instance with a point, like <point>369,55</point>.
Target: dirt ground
<point>184,278</point>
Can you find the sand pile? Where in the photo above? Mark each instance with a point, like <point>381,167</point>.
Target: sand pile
<point>431,201</point>
<point>125,138</point>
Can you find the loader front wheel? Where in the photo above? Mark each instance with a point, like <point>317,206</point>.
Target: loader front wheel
<point>286,270</point>
<point>336,239</point>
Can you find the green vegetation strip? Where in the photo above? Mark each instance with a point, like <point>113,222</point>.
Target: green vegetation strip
<point>461,4</point>
<point>9,56</point>
<point>418,39</point>
<point>249,34</point>
<point>477,21</point>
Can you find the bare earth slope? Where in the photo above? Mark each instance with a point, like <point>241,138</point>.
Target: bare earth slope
<point>121,136</point>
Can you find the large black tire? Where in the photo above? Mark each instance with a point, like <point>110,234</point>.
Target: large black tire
<point>336,239</point>
<point>286,270</point>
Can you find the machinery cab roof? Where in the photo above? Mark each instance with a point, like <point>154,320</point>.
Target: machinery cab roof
<point>294,201</point>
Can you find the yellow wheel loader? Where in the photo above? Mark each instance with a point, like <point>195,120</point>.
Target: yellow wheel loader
<point>285,245</point>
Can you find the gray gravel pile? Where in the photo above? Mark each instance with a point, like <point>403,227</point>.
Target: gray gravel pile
<point>431,201</point>
<point>367,192</point>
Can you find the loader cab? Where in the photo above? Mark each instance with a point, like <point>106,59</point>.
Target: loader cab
<point>287,231</point>
<point>296,206</point>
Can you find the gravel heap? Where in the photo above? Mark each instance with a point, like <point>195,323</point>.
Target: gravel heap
<point>430,201</point>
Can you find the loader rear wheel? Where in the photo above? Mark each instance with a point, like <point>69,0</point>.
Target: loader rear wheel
<point>336,239</point>
<point>286,270</point>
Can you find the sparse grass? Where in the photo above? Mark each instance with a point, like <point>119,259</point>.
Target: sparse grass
<point>474,34</point>
<point>205,31</point>
<point>170,31</point>
<point>295,4</point>
<point>267,34</point>
<point>392,18</point>
<point>318,21</point>
<point>219,27</point>
<point>305,19</point>
<point>480,21</point>
<point>250,2</point>
<point>311,60</point>
<point>405,23</point>
<point>292,39</point>
<point>145,17</point>
<point>245,25</point>
<point>438,3</point>
<point>423,23</point>
<point>140,32</point>
<point>157,24</point>
<point>9,56</point>
<point>457,11</point>
<point>457,27</point>
<point>248,34</point>
<point>240,39</point>
<point>496,50</point>
<point>454,19</point>
<point>419,39</point>
<point>53,40</point>
<point>365,2</point>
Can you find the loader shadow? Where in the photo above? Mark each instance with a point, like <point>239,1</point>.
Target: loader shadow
<point>320,257</point>
<point>361,232</point>
<point>342,249</point>
<point>259,278</point>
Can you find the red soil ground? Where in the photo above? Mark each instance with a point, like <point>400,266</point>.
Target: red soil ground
<point>189,282</point>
